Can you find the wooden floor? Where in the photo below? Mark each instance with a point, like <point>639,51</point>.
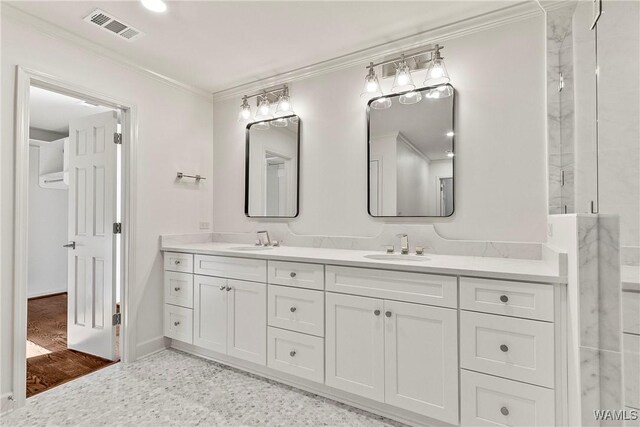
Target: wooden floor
<point>47,328</point>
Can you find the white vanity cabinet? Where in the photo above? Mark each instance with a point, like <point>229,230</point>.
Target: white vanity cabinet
<point>400,353</point>
<point>424,348</point>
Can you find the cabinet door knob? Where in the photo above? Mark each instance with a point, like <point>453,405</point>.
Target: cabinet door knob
<point>504,348</point>
<point>504,411</point>
<point>292,274</point>
<point>223,287</point>
<point>228,288</point>
<point>176,323</point>
<point>177,262</point>
<point>176,288</point>
<point>504,298</point>
<point>387,313</point>
<point>376,312</point>
<point>292,353</point>
<point>293,309</point>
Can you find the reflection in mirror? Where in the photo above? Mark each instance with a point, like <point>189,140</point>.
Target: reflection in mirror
<point>411,155</point>
<point>272,169</point>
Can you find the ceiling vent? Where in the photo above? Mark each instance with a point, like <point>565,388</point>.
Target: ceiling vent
<point>113,25</point>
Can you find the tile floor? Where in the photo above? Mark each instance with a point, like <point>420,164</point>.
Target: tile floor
<point>173,388</point>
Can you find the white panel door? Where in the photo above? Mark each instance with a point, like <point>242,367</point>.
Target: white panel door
<point>92,212</point>
<point>210,296</point>
<point>422,359</point>
<point>355,345</point>
<point>247,321</point>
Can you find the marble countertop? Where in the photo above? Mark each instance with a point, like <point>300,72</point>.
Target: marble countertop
<point>499,268</point>
<point>630,275</point>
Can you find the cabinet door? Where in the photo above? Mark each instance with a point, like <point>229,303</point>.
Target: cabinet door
<point>421,369</point>
<point>210,313</point>
<point>355,345</point>
<point>247,321</point>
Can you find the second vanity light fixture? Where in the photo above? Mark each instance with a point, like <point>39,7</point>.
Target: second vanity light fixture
<point>265,99</point>
<point>437,75</point>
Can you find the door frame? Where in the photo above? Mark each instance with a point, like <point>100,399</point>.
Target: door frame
<point>25,78</point>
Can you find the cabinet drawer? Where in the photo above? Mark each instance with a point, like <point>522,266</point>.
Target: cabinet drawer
<point>395,285</point>
<point>254,270</point>
<point>631,312</point>
<point>296,354</point>
<point>301,275</point>
<point>300,310</point>
<point>631,375</point>
<point>178,289</point>
<point>178,323</point>
<point>513,348</point>
<point>492,401</point>
<point>176,261</point>
<point>530,300</point>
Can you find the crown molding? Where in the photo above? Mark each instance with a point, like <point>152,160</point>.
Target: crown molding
<point>516,12</point>
<point>57,32</point>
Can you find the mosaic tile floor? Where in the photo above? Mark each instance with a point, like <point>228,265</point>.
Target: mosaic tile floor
<point>172,388</point>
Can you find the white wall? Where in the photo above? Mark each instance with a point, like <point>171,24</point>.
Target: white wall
<point>47,262</point>
<point>175,134</point>
<point>501,179</point>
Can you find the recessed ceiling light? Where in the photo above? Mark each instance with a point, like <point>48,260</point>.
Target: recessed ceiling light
<point>449,153</point>
<point>450,133</point>
<point>158,6</point>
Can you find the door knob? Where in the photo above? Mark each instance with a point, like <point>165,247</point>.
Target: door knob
<point>176,323</point>
<point>228,288</point>
<point>71,245</point>
<point>504,348</point>
<point>176,288</point>
<point>504,298</point>
<point>504,411</point>
<point>292,353</point>
<point>293,309</point>
<point>376,312</point>
<point>292,274</point>
<point>387,313</point>
<point>223,287</point>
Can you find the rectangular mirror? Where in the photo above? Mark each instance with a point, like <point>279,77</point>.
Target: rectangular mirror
<point>272,168</point>
<point>411,154</point>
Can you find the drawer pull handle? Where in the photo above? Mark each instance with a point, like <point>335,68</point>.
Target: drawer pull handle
<point>504,348</point>
<point>388,314</point>
<point>292,309</point>
<point>504,298</point>
<point>177,262</point>
<point>376,312</point>
<point>292,353</point>
<point>504,411</point>
<point>292,274</point>
<point>223,287</point>
<point>177,288</point>
<point>176,323</point>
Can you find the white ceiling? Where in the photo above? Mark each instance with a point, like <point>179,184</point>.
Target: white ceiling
<point>424,124</point>
<point>52,111</point>
<point>215,45</point>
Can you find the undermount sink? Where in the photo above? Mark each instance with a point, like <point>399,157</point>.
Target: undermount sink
<point>397,257</point>
<point>251,248</point>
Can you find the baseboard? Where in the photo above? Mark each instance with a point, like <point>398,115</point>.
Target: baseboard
<point>147,348</point>
<point>7,403</point>
<point>48,293</point>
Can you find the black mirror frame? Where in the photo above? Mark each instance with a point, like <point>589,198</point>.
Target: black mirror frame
<point>453,165</point>
<point>246,169</point>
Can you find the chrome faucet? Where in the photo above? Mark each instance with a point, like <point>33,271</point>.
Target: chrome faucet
<point>404,244</point>
<point>264,234</point>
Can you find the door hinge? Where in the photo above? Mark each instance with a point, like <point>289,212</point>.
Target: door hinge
<point>117,319</point>
<point>117,138</point>
<point>117,228</point>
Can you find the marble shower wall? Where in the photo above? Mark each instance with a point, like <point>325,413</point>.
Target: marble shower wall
<point>560,109</point>
<point>594,327</point>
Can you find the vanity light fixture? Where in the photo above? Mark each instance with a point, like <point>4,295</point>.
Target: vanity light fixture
<point>403,80</point>
<point>264,100</point>
<point>437,72</point>
<point>157,6</point>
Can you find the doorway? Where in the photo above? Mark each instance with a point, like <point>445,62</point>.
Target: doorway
<point>72,249</point>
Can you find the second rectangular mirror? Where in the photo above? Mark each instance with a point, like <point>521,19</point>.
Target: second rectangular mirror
<point>272,167</point>
<point>411,156</point>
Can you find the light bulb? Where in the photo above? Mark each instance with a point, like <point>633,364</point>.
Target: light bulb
<point>264,108</point>
<point>371,85</point>
<point>245,114</point>
<point>403,79</point>
<point>157,6</point>
<point>245,110</point>
<point>285,105</point>
<point>437,72</point>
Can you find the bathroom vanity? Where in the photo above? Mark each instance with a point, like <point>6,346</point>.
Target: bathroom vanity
<point>421,339</point>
